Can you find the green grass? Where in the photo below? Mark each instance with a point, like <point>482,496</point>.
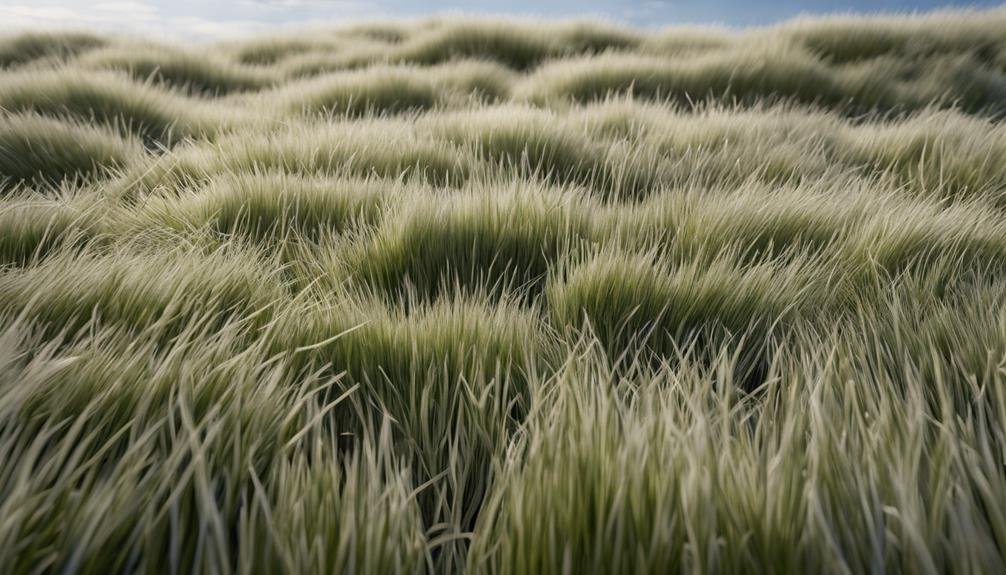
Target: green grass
<point>29,47</point>
<point>506,296</point>
<point>186,71</point>
<point>161,118</point>
<point>42,151</point>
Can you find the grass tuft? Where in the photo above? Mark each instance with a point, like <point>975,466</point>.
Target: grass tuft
<point>44,151</point>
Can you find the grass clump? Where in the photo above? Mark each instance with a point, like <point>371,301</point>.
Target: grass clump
<point>636,303</point>
<point>517,46</point>
<point>43,151</point>
<point>32,46</point>
<point>399,89</point>
<point>459,339</point>
<point>181,70</point>
<point>753,223</point>
<point>511,45</point>
<point>498,240</point>
<point>454,376</point>
<point>33,227</point>
<point>122,288</point>
<point>368,92</point>
<point>371,524</point>
<point>271,51</point>
<point>109,100</point>
<point>183,401</point>
<point>541,145</point>
<point>847,40</point>
<point>264,207</point>
<point>380,147</point>
<point>761,73</point>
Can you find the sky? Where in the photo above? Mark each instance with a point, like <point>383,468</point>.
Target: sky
<point>221,19</point>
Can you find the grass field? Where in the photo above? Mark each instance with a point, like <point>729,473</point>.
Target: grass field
<point>509,297</point>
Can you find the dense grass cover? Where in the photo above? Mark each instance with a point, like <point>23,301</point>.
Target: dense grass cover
<point>506,297</point>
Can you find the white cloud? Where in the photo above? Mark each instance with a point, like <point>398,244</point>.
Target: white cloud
<point>183,19</point>
<point>124,16</point>
<point>212,29</point>
<point>125,7</point>
<point>19,15</point>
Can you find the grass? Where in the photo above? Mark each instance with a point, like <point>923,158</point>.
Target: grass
<point>43,151</point>
<point>111,100</point>
<point>28,47</point>
<point>178,69</point>
<point>506,296</point>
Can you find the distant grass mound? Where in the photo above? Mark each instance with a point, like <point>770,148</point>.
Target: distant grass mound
<point>509,297</point>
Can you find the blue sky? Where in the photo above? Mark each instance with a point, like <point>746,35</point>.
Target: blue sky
<point>208,19</point>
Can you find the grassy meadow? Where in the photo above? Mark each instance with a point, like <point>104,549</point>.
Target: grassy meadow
<point>486,296</point>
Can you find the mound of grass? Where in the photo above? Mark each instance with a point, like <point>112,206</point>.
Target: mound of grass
<point>944,155</point>
<point>492,240</point>
<point>398,89</point>
<point>385,148</point>
<point>159,117</point>
<point>31,46</point>
<point>512,45</point>
<point>753,223</point>
<point>372,522</point>
<point>233,416</point>
<point>182,70</point>
<point>517,46</point>
<point>542,145</point>
<point>127,289</point>
<point>914,234</point>
<point>474,80</point>
<point>39,150</point>
<point>694,40</point>
<point>273,50</point>
<point>632,302</point>
<point>459,339</point>
<point>368,92</point>
<point>631,471</point>
<point>31,228</point>
<point>770,72</point>
<point>847,40</point>
<point>267,206</point>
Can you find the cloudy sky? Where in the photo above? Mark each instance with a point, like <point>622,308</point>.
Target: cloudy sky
<point>202,19</point>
